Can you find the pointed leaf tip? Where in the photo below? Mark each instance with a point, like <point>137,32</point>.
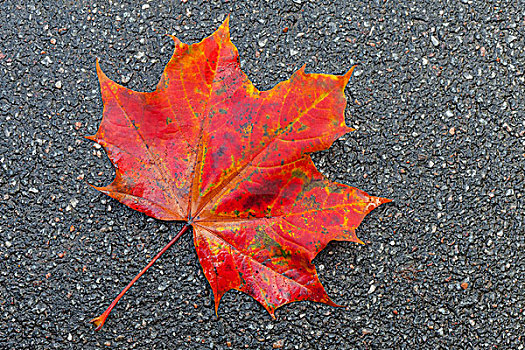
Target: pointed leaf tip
<point>375,202</point>
<point>217,302</point>
<point>176,40</point>
<point>226,21</point>
<point>334,304</point>
<point>385,200</point>
<point>359,241</point>
<point>348,75</point>
<point>100,189</point>
<point>101,75</point>
<point>349,129</point>
<point>300,71</point>
<point>224,29</point>
<point>97,64</point>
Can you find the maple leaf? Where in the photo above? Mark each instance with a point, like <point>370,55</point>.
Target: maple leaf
<point>208,148</point>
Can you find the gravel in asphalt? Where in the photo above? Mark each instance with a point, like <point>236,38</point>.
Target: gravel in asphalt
<point>437,104</point>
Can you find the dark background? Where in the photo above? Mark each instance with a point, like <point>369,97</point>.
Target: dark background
<point>437,101</point>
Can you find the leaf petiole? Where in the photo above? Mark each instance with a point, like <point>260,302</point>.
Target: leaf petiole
<point>100,320</point>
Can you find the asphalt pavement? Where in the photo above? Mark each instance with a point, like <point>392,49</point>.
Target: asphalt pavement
<point>437,102</point>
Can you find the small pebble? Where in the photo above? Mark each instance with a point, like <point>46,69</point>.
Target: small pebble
<point>511,38</point>
<point>46,61</point>
<point>278,344</point>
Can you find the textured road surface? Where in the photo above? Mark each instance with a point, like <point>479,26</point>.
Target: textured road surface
<point>437,102</point>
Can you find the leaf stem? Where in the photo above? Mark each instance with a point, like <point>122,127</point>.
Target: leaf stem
<point>100,320</point>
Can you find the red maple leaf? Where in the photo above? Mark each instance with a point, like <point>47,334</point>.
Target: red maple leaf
<point>208,148</point>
